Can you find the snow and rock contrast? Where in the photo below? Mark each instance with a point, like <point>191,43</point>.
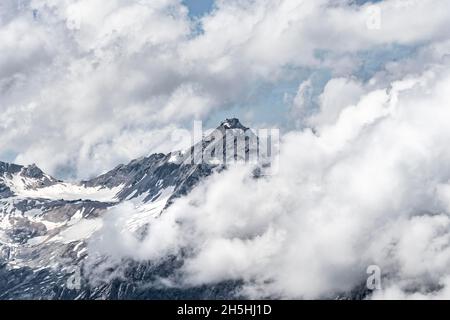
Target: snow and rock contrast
<point>46,224</point>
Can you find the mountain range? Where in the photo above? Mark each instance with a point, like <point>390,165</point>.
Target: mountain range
<point>46,223</point>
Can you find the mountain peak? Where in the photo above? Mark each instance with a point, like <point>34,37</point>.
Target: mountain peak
<point>6,167</point>
<point>232,123</point>
<point>33,171</point>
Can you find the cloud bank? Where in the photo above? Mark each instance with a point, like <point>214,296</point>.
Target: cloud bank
<point>368,186</point>
<point>86,85</point>
<point>371,188</point>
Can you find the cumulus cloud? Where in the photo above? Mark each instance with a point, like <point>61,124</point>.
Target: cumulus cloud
<point>371,188</point>
<point>85,85</point>
<point>337,94</point>
<point>77,76</point>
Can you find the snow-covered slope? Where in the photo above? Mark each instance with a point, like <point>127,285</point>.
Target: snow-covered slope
<point>45,223</point>
<point>31,182</point>
<point>13,177</point>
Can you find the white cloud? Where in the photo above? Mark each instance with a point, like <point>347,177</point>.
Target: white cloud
<point>80,94</point>
<point>369,189</point>
<point>337,94</point>
<point>93,70</point>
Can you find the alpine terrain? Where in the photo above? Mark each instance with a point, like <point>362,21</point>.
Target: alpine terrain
<point>46,224</point>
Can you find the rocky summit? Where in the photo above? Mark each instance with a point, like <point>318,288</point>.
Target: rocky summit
<point>46,225</point>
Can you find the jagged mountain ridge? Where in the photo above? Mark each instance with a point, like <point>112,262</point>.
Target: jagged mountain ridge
<point>176,169</point>
<point>30,176</point>
<point>45,223</point>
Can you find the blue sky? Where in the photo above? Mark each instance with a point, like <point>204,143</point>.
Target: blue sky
<point>268,99</point>
<point>198,7</point>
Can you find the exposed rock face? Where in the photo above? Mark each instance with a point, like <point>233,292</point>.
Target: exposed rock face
<point>45,223</point>
<point>25,178</point>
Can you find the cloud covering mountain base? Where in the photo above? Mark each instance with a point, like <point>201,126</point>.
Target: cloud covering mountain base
<point>372,188</point>
<point>364,168</point>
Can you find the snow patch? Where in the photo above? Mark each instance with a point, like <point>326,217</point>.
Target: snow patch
<point>63,191</point>
<point>80,231</point>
